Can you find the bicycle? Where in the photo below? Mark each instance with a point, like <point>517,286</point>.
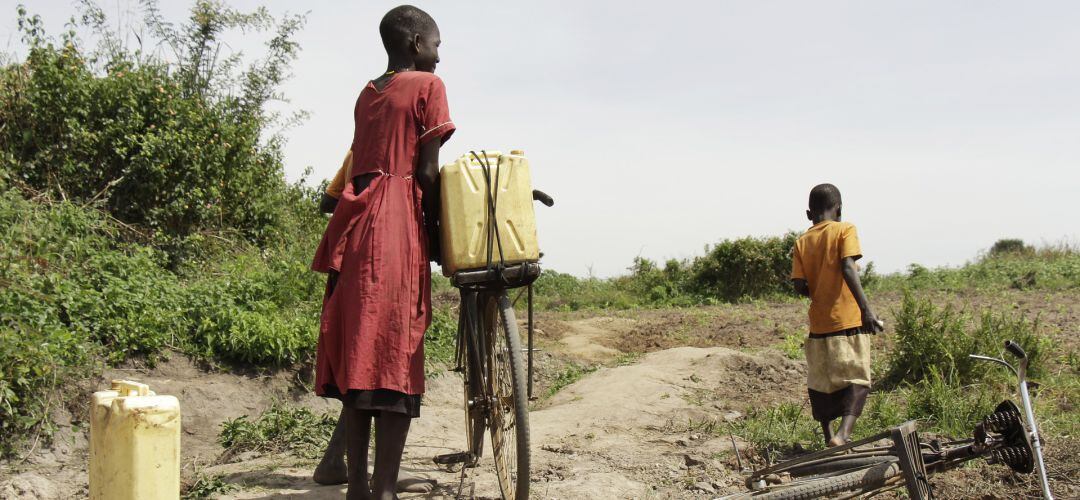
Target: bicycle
<point>497,382</point>
<point>860,469</point>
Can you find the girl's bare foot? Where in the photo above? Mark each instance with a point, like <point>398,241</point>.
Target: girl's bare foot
<point>331,471</point>
<point>836,441</point>
<point>411,484</point>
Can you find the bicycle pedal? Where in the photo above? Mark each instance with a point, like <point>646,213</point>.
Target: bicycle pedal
<point>452,458</point>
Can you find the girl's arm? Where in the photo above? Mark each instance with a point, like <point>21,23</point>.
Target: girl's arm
<point>427,176</point>
<point>327,204</point>
<point>870,322</point>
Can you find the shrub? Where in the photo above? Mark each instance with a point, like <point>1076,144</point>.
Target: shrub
<point>746,267</point>
<point>1007,246</point>
<point>176,148</point>
<point>932,339</point>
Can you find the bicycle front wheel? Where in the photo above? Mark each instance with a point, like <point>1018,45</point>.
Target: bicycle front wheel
<point>864,481</point>
<point>508,413</point>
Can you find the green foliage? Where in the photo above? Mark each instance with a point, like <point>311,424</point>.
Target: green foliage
<point>440,340</point>
<point>733,270</point>
<point>746,267</point>
<point>206,486</point>
<point>1002,268</point>
<point>180,149</point>
<point>572,373</point>
<point>281,428</point>
<point>932,339</point>
<point>780,429</point>
<point>951,408</point>
<point>1010,246</point>
<point>793,345</point>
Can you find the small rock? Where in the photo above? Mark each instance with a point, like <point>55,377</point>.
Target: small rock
<point>695,437</point>
<point>692,461</point>
<point>732,416</point>
<point>29,485</point>
<point>704,486</point>
<point>247,456</point>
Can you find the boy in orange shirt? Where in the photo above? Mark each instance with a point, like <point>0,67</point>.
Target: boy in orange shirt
<point>838,348</point>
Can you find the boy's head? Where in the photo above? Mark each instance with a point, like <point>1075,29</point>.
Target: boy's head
<point>825,203</point>
<point>410,34</point>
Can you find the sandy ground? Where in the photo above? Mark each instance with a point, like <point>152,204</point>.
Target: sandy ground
<point>630,429</point>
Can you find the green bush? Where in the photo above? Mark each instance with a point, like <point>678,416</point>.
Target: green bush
<point>931,339</point>
<point>177,148</point>
<point>746,267</point>
<point>1008,246</point>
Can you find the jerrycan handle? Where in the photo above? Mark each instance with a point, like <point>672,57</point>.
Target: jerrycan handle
<point>131,388</point>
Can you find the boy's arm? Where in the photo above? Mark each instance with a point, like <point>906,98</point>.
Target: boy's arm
<point>870,322</point>
<point>801,286</point>
<point>427,175</point>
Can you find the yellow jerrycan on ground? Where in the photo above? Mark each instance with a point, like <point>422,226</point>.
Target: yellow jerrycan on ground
<point>134,444</point>
<point>466,223</point>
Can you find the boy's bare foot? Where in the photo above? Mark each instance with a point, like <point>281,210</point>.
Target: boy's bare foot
<point>836,441</point>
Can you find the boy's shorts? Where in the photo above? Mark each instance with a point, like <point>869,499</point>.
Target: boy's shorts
<point>838,373</point>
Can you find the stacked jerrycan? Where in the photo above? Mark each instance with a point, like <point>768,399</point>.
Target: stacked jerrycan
<point>134,444</point>
<point>470,232</point>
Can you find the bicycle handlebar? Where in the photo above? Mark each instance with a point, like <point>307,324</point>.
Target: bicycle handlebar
<point>543,197</point>
<point>1015,349</point>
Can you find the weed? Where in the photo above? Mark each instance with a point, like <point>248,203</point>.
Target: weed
<point>781,429</point>
<point>940,339</point>
<point>572,373</point>
<point>793,346</point>
<point>951,409</point>
<point>206,486</point>
<point>281,428</point>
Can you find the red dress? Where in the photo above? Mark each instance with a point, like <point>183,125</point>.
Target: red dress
<point>372,328</point>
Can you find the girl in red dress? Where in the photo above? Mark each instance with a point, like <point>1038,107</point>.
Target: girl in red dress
<point>378,300</point>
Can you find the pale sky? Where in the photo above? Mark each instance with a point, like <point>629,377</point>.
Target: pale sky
<point>660,127</point>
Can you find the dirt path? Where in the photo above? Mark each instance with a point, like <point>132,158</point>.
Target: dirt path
<point>618,433</point>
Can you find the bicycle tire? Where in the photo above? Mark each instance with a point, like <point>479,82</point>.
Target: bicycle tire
<point>508,417</point>
<point>865,480</point>
<point>838,464</point>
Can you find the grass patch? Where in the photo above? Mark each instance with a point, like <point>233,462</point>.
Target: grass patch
<point>206,486</point>
<point>572,373</point>
<point>936,341</point>
<point>792,346</point>
<point>281,428</point>
<point>780,430</point>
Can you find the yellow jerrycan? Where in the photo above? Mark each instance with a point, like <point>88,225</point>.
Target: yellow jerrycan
<point>134,444</point>
<point>466,222</point>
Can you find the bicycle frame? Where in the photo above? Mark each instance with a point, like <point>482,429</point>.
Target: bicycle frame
<point>1006,436</point>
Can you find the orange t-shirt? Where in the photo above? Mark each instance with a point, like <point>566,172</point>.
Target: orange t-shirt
<point>817,258</point>
<point>338,184</point>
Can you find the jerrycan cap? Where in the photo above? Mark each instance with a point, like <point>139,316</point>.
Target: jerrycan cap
<point>131,388</point>
<point>517,152</point>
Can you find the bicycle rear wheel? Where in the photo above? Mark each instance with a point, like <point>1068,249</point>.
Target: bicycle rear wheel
<point>475,414</point>
<point>508,415</point>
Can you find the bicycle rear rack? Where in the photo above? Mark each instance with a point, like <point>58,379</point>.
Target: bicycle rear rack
<point>906,443</point>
